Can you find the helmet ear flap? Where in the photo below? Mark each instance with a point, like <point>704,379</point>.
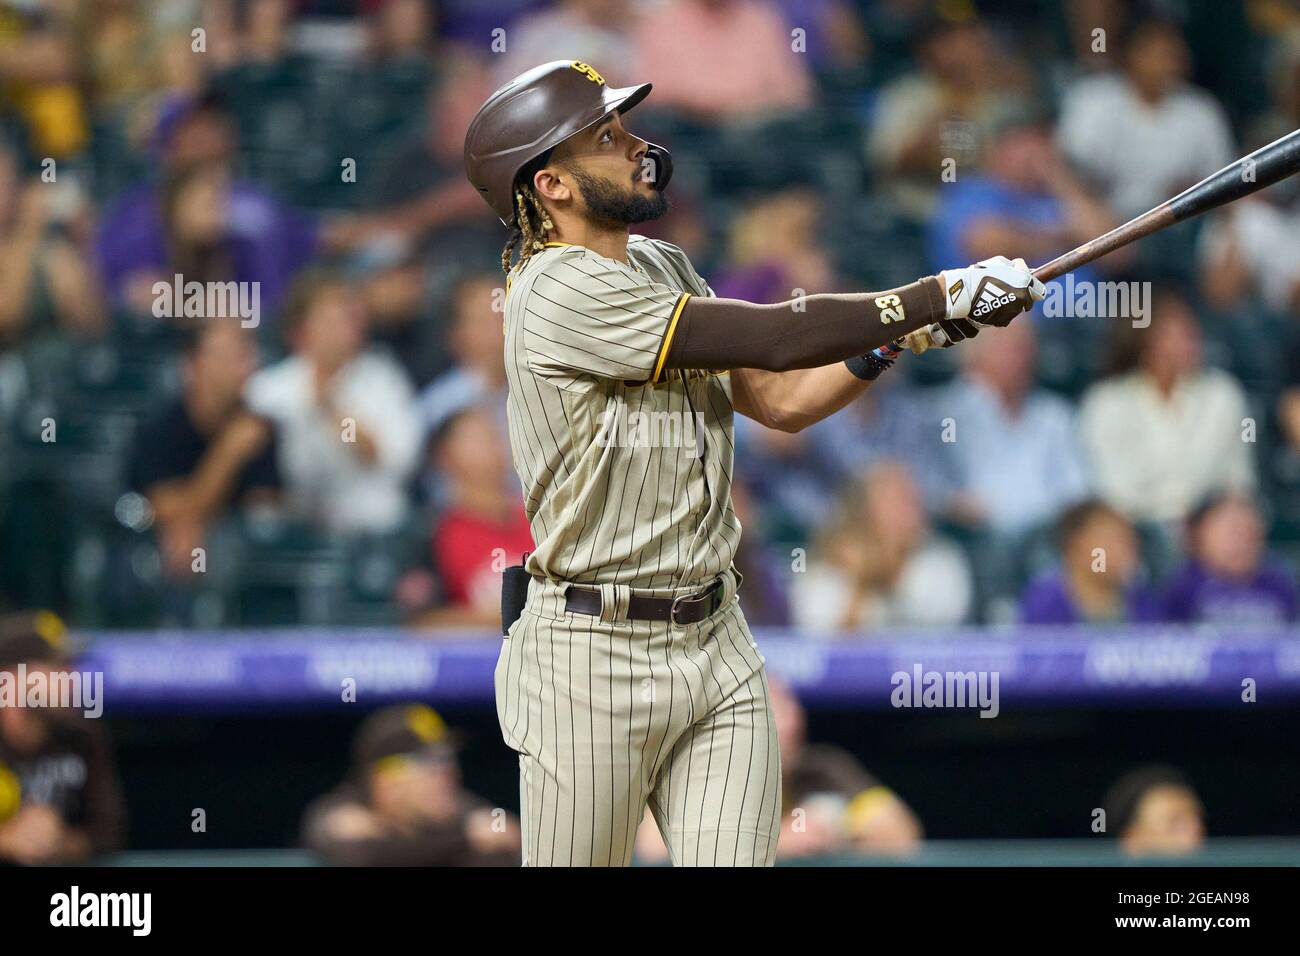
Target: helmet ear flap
<point>661,166</point>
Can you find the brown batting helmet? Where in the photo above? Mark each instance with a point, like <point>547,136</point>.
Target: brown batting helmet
<point>535,112</point>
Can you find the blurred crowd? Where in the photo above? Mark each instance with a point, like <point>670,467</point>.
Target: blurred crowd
<point>403,800</point>
<point>332,448</point>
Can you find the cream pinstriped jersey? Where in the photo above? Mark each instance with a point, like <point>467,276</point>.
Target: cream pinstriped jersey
<point>625,465</point>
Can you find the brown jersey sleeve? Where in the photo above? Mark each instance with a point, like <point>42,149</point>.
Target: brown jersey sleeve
<point>816,330</point>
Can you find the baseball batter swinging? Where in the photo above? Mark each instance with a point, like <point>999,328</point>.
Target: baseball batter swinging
<point>631,679</point>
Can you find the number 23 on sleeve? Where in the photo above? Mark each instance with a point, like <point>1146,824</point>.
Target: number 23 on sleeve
<point>891,308</point>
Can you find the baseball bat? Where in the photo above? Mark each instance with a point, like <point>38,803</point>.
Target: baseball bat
<point>1261,169</point>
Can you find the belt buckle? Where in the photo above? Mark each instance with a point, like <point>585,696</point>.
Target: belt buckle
<point>696,598</point>
<point>672,610</point>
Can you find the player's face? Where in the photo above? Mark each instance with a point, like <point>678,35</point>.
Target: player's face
<point>608,171</point>
<point>412,790</point>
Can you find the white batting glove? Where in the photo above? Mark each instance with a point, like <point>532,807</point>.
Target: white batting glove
<point>991,292</point>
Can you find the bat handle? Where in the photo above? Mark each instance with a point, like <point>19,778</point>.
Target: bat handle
<point>1052,270</point>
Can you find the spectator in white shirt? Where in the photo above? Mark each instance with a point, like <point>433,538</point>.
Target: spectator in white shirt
<point>879,564</point>
<point>1251,248</point>
<point>347,434</point>
<point>1162,432</point>
<point>1010,451</point>
<point>1145,134</point>
<point>344,415</point>
<point>1251,252</point>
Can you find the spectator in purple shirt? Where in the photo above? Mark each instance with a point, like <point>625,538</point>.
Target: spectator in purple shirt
<point>1230,579</point>
<point>261,239</point>
<point>1099,578</point>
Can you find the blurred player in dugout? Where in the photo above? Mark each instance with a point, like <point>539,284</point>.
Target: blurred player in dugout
<point>60,800</point>
<point>1154,811</point>
<point>403,803</point>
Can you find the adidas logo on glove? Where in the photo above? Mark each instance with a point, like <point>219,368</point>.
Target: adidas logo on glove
<point>987,304</point>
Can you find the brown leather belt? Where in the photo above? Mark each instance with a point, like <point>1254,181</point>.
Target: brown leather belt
<point>690,609</point>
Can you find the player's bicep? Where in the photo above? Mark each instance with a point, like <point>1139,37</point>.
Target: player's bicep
<point>582,318</point>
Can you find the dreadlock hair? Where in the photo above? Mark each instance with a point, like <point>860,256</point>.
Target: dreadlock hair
<point>532,221</point>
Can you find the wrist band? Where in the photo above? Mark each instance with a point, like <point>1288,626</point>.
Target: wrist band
<point>868,367</point>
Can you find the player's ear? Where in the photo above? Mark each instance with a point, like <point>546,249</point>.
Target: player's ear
<point>549,184</point>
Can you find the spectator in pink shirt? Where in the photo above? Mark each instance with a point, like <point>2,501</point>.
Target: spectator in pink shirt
<point>719,60</point>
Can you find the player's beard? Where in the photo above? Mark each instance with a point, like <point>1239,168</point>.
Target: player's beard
<point>607,203</point>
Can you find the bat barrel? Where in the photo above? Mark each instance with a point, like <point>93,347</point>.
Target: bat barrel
<point>1260,169</point>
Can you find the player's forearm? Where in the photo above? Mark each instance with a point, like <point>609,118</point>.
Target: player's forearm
<point>800,334</point>
<point>791,401</point>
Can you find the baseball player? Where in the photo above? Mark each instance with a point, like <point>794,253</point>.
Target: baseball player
<point>631,679</point>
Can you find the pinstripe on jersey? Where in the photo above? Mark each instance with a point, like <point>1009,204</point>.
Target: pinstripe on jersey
<point>585,341</point>
<point>609,716</point>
